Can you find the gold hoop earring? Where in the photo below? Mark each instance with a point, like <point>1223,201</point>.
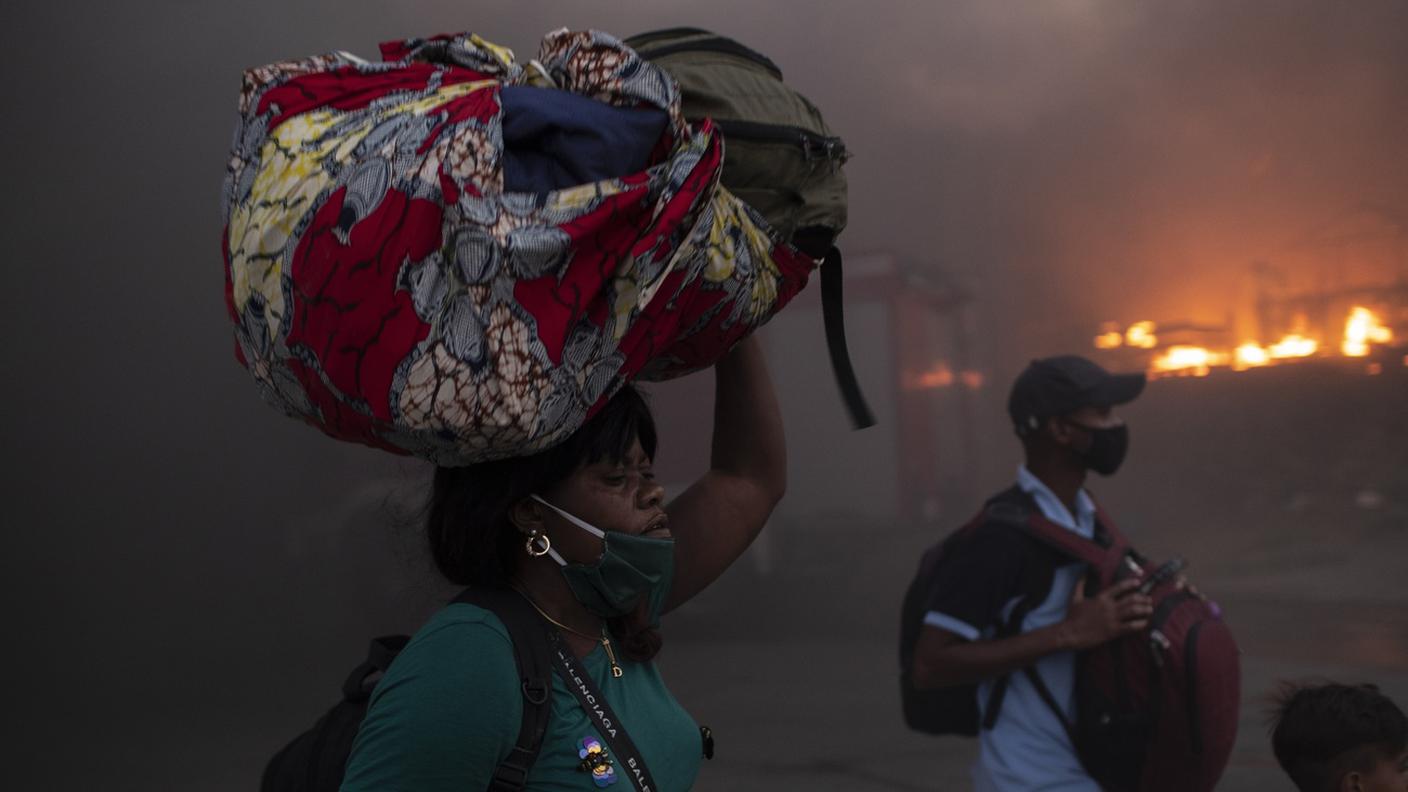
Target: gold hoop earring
<point>538,544</point>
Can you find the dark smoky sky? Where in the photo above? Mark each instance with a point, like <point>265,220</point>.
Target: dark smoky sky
<point>1067,161</point>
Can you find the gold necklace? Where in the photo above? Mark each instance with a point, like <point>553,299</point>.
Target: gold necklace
<point>616,670</point>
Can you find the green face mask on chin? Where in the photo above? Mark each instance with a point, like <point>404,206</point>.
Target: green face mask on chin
<point>631,567</point>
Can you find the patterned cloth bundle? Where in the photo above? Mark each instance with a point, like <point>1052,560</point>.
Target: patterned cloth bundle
<point>411,262</point>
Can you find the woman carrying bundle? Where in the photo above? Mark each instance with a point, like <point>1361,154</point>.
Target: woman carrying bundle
<point>583,533</point>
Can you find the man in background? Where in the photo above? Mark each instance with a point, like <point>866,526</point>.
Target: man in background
<point>1003,601</point>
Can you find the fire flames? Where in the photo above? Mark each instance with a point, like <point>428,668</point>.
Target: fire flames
<point>1141,335</point>
<point>1110,336</point>
<point>1197,361</point>
<point>1250,355</point>
<point>1362,330</point>
<point>1293,346</point>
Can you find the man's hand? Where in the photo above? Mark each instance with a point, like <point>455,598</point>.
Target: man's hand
<point>943,658</point>
<point>1182,584</point>
<point>1116,611</point>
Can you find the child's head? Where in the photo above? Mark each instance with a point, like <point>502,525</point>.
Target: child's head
<point>1340,738</point>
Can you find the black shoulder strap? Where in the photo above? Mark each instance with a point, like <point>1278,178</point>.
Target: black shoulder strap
<point>1012,627</point>
<point>1050,700</point>
<point>1012,506</point>
<point>833,317</point>
<point>379,656</point>
<point>628,760</point>
<point>532,653</point>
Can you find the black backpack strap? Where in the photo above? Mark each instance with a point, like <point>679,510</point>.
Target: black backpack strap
<point>1050,700</point>
<point>1013,626</point>
<point>1012,507</point>
<point>1015,508</point>
<point>379,656</point>
<point>532,653</point>
<point>627,758</point>
<point>833,316</point>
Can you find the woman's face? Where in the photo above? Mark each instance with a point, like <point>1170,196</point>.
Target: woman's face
<point>613,496</point>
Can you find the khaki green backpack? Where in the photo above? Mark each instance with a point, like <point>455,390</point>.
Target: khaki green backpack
<point>780,157</point>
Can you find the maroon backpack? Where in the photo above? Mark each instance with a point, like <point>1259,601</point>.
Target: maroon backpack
<point>1156,710</point>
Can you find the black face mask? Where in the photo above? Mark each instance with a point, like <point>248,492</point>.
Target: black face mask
<point>1107,448</point>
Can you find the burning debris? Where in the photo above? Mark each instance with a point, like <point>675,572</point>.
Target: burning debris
<point>1363,330</point>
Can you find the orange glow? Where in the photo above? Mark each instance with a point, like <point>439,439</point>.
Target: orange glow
<point>1293,346</point>
<point>1250,355</point>
<point>1110,336</point>
<point>1361,329</point>
<point>939,375</point>
<point>1188,360</point>
<point>1141,335</point>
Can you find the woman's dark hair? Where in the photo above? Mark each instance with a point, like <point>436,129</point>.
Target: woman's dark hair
<point>472,540</point>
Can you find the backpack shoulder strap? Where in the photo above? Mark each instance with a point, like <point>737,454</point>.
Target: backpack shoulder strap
<point>379,656</point>
<point>1016,508</point>
<point>1106,526</point>
<point>1012,507</point>
<point>1050,700</point>
<point>834,320</point>
<point>1066,541</point>
<point>531,651</point>
<point>1012,627</point>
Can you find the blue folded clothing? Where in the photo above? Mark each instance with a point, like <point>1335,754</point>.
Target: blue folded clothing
<point>555,139</point>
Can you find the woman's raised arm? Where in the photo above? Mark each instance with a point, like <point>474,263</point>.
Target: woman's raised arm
<point>716,519</point>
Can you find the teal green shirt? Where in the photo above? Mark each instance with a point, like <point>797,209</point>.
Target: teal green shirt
<point>448,710</point>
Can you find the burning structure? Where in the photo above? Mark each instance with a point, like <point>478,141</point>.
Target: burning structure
<point>1363,323</point>
<point>1366,335</point>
